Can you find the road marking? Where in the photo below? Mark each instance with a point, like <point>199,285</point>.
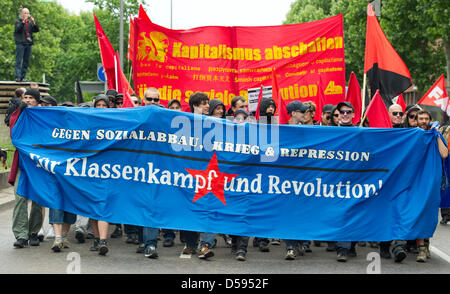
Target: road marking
<point>439,253</point>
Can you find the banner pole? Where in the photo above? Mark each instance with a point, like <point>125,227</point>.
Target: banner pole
<point>364,95</point>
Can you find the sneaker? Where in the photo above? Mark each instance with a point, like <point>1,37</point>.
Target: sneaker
<point>290,254</point>
<point>227,240</point>
<point>95,246</point>
<point>25,80</point>
<point>275,242</point>
<point>57,246</point>
<point>140,248</point>
<point>205,252</point>
<point>34,240</point>
<point>264,247</point>
<point>422,257</point>
<point>50,233</point>
<point>102,247</point>
<point>168,243</point>
<point>188,251</point>
<point>117,232</point>
<point>341,256</point>
<point>80,237</point>
<point>20,243</point>
<point>41,235</point>
<point>150,252</point>
<point>66,243</point>
<point>240,256</point>
<point>399,255</point>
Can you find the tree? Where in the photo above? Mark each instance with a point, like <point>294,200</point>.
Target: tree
<point>418,30</point>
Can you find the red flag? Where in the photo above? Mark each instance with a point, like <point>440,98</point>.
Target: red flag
<point>354,97</point>
<point>107,54</point>
<point>377,113</point>
<point>385,69</point>
<point>320,102</point>
<point>283,116</point>
<point>259,102</point>
<point>436,100</point>
<point>130,54</point>
<point>143,15</point>
<point>401,102</point>
<point>437,96</point>
<point>122,85</point>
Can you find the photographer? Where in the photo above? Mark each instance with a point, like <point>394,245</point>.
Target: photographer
<point>23,35</point>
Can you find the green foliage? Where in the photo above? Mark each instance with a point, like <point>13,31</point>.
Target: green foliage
<point>417,29</point>
<point>66,48</point>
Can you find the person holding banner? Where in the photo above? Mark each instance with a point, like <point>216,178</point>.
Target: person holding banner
<point>396,115</point>
<point>410,116</point>
<point>99,227</point>
<point>346,114</point>
<point>296,111</point>
<point>424,122</point>
<point>25,228</point>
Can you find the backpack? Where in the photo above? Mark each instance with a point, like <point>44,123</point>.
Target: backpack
<point>14,104</point>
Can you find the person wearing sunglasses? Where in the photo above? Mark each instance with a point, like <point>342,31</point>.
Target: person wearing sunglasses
<point>396,115</point>
<point>326,115</point>
<point>151,97</point>
<point>334,116</point>
<point>411,116</point>
<point>346,113</point>
<point>310,114</point>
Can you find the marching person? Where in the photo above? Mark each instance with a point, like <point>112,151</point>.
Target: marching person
<point>423,122</point>
<point>296,111</point>
<point>396,115</point>
<point>346,113</point>
<point>99,227</point>
<point>25,228</point>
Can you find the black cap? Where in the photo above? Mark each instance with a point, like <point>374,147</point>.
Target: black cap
<point>297,106</point>
<point>50,100</point>
<point>111,92</point>
<point>173,101</point>
<point>345,103</point>
<point>101,97</point>
<point>35,93</point>
<point>327,108</point>
<point>243,111</point>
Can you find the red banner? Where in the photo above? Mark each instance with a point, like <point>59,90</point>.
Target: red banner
<point>226,61</point>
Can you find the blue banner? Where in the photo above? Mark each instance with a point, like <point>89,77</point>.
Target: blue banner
<point>161,168</point>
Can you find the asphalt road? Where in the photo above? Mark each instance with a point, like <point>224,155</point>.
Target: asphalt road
<point>122,258</point>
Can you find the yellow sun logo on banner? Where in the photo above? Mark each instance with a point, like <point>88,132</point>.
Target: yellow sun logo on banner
<point>154,48</point>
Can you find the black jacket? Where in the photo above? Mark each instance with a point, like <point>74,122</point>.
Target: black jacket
<point>19,31</point>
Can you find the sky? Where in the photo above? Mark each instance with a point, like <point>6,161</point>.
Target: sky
<point>188,14</point>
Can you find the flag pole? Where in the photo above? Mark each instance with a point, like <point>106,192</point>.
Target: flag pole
<point>363,106</point>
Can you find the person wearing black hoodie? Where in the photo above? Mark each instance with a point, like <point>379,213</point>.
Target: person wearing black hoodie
<point>267,108</point>
<point>216,108</point>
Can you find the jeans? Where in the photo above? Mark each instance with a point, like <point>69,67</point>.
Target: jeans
<point>191,238</point>
<point>168,234</point>
<point>292,244</point>
<point>23,53</point>
<point>239,243</point>
<point>150,236</point>
<point>207,238</point>
<point>57,216</point>
<point>22,225</point>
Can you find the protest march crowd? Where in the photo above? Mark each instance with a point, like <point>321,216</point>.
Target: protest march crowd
<point>28,230</point>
